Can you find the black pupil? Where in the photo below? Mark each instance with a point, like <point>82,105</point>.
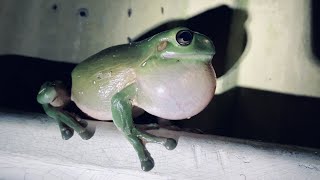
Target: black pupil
<point>184,37</point>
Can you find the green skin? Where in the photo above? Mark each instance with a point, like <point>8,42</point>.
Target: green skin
<point>156,75</point>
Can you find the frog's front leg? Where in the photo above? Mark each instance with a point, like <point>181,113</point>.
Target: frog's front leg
<point>53,97</point>
<point>121,106</point>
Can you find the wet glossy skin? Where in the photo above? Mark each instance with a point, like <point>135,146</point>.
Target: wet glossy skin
<point>172,81</point>
<point>168,75</point>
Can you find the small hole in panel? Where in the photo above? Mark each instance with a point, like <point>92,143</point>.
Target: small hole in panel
<point>83,12</point>
<point>162,10</point>
<point>129,12</point>
<point>54,7</point>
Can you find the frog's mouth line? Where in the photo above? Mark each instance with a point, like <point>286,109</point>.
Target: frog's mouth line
<point>200,56</point>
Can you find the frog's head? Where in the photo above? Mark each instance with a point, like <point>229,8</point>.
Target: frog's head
<point>175,78</point>
<point>181,44</point>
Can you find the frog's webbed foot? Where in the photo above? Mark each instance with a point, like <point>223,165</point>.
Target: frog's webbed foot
<point>86,133</point>
<point>121,107</point>
<point>53,96</point>
<point>167,124</point>
<point>66,131</point>
<point>146,127</point>
<point>168,143</point>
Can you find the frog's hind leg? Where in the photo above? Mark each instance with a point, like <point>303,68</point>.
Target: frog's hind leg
<point>121,107</point>
<point>54,97</point>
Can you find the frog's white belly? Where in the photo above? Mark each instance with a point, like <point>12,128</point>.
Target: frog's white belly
<point>104,114</point>
<point>95,113</point>
<point>177,92</point>
<point>172,92</point>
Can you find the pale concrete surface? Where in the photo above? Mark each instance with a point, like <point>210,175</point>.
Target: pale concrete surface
<point>278,56</point>
<point>31,148</point>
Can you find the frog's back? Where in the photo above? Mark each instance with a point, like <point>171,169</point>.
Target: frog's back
<point>98,78</point>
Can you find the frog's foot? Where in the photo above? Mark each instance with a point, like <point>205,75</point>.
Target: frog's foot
<point>177,128</point>
<point>167,124</point>
<point>168,143</point>
<point>138,139</point>
<point>145,127</point>
<point>145,158</point>
<point>147,164</point>
<point>81,121</point>
<point>87,134</point>
<point>66,131</point>
<point>53,96</point>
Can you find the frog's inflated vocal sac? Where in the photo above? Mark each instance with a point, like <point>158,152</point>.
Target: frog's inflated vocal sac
<point>168,75</point>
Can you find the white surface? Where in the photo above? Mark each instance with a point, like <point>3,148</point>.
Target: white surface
<point>31,148</point>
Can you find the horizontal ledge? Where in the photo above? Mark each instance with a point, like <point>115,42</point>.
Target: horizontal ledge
<point>31,147</point>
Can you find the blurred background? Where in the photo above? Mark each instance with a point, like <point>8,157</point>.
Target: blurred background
<point>267,56</point>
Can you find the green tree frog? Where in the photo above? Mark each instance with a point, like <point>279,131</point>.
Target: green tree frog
<point>168,75</point>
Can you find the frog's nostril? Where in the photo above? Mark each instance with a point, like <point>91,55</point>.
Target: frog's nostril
<point>162,45</point>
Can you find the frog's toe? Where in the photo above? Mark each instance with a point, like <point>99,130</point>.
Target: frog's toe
<point>147,165</point>
<point>170,144</point>
<point>83,123</point>
<point>66,133</point>
<point>85,135</point>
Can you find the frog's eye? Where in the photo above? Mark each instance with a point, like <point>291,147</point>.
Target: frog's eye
<point>184,37</point>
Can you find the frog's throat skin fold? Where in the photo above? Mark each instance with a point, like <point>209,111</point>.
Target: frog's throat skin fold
<point>168,75</point>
